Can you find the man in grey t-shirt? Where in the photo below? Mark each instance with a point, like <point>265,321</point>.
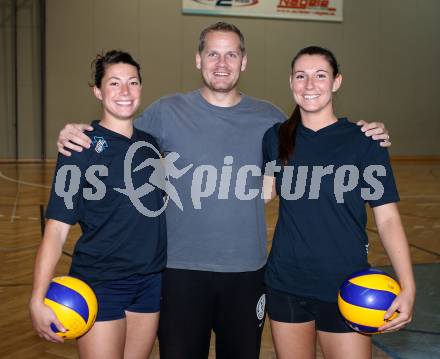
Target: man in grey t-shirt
<point>216,230</point>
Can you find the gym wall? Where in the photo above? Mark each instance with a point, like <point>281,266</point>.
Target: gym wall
<point>388,52</point>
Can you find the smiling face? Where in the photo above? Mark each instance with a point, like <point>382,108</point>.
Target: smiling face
<point>221,61</point>
<point>312,83</point>
<point>120,91</point>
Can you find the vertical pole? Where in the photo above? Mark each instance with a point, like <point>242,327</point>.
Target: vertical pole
<point>42,219</point>
<point>42,9</point>
<point>14,72</point>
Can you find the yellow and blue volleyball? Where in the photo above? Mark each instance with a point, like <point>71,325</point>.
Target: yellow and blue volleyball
<point>364,298</point>
<point>74,303</point>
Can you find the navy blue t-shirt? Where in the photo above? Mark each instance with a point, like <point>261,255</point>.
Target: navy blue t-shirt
<point>117,240</point>
<point>320,237</point>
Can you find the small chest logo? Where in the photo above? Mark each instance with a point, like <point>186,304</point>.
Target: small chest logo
<point>99,143</point>
<point>261,306</point>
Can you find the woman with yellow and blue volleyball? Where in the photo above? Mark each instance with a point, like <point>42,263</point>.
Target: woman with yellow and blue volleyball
<point>324,170</point>
<point>121,252</point>
<point>364,298</point>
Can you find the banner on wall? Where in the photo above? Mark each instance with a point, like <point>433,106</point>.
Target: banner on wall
<point>321,10</point>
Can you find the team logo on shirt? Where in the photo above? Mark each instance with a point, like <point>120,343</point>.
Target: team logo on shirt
<point>261,307</point>
<point>100,144</point>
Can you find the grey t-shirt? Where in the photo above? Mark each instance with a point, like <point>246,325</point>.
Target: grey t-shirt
<point>221,232</point>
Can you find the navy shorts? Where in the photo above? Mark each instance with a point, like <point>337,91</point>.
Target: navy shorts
<point>287,308</point>
<point>137,293</point>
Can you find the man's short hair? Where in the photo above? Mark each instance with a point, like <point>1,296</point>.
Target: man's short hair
<point>223,27</point>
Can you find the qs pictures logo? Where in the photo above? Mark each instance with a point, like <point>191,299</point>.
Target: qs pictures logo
<point>228,3</point>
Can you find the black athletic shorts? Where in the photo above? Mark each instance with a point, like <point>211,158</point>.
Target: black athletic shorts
<point>287,308</point>
<point>196,302</point>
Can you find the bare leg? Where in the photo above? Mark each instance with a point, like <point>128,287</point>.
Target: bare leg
<point>104,341</point>
<point>141,334</point>
<point>294,340</point>
<point>345,345</point>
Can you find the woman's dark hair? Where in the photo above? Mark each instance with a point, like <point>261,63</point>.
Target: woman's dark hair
<point>101,61</point>
<point>287,131</point>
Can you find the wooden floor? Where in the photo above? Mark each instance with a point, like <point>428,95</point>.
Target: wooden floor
<point>23,187</point>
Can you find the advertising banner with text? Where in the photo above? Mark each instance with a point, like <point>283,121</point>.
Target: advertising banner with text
<point>320,10</point>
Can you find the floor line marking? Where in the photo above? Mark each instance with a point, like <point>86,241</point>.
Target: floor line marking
<point>424,250</point>
<point>22,182</point>
<point>403,196</point>
<point>17,249</point>
<point>14,209</point>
